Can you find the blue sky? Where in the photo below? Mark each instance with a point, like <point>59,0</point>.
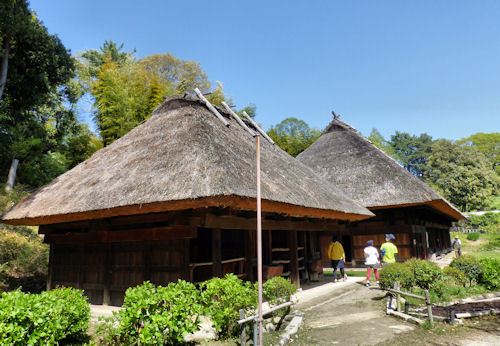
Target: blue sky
<point>413,66</point>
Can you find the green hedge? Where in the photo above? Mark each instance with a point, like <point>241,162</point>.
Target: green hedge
<point>473,236</point>
<point>470,266</point>
<point>60,315</point>
<point>397,272</point>
<point>425,273</point>
<point>223,298</point>
<point>491,273</point>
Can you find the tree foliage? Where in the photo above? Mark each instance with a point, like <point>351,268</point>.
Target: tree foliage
<point>293,135</point>
<point>463,175</point>
<point>488,144</point>
<point>412,152</point>
<point>38,119</point>
<point>380,142</point>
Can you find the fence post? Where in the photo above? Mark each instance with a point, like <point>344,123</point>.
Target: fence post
<point>243,330</point>
<point>452,314</point>
<point>255,332</point>
<point>429,306</point>
<point>397,286</point>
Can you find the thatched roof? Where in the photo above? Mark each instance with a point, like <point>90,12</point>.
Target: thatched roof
<point>351,162</point>
<point>183,157</point>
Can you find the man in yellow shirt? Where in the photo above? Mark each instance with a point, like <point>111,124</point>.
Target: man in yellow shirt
<point>337,256</point>
<point>389,250</point>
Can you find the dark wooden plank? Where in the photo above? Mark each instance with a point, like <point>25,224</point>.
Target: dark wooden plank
<point>216,252</point>
<point>108,273</point>
<point>50,274</point>
<point>294,262</point>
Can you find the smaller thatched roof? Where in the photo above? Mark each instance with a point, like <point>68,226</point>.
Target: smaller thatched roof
<point>352,163</point>
<point>183,157</point>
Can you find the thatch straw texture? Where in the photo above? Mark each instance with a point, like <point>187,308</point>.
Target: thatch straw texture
<point>183,157</point>
<point>351,162</point>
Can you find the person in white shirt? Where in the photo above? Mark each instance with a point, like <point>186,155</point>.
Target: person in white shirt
<point>372,261</point>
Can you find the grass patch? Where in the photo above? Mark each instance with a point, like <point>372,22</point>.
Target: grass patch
<point>355,273</point>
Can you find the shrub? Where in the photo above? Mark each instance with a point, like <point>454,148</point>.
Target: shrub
<point>24,261</point>
<point>470,266</point>
<point>491,273</point>
<point>60,315</point>
<point>278,290</point>
<point>397,272</point>
<point>456,274</point>
<point>223,298</point>
<point>425,273</point>
<point>156,315</point>
<point>473,236</point>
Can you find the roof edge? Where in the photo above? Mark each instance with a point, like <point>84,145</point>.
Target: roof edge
<point>438,204</point>
<point>237,202</point>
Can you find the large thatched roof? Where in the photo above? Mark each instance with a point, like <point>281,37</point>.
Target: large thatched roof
<point>183,157</point>
<point>351,162</point>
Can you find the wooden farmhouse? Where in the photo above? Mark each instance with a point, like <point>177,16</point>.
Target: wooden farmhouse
<point>404,205</point>
<point>176,198</point>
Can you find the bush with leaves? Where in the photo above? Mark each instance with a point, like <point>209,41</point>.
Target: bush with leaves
<point>470,266</point>
<point>223,298</point>
<point>278,290</point>
<point>425,273</point>
<point>491,273</point>
<point>155,315</point>
<point>456,275</point>
<point>397,272</point>
<point>60,315</point>
<point>473,236</point>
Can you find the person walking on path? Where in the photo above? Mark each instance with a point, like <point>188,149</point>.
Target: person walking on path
<point>337,255</point>
<point>372,261</point>
<point>389,250</point>
<point>457,246</point>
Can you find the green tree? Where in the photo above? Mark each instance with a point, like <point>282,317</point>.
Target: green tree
<point>32,61</point>
<point>178,74</point>
<point>488,144</point>
<point>124,97</point>
<point>293,135</point>
<point>37,108</point>
<point>463,175</point>
<point>412,152</point>
<point>380,142</point>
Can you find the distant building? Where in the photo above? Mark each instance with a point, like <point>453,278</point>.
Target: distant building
<point>417,215</point>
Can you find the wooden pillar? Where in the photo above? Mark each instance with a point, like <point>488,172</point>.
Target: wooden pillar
<point>146,261</point>
<point>50,274</point>
<point>108,273</point>
<point>294,263</point>
<point>250,254</point>
<point>186,271</point>
<point>267,251</point>
<point>81,254</point>
<point>216,252</point>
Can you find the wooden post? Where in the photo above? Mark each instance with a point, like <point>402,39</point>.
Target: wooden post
<point>12,175</point>
<point>186,271</point>
<point>81,255</point>
<point>397,286</point>
<point>249,253</point>
<point>268,250</point>
<point>146,261</point>
<point>209,106</point>
<point>50,274</point>
<point>243,339</point>
<point>429,306</point>
<point>108,273</point>
<point>216,253</point>
<point>294,262</point>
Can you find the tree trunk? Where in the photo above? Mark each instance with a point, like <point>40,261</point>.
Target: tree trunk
<point>4,67</point>
<point>12,175</point>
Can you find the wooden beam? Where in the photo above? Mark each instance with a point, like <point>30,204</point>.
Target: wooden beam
<point>236,222</point>
<point>216,252</point>
<point>294,262</point>
<point>144,234</point>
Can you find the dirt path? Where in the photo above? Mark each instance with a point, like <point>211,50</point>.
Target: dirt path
<point>353,316</point>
